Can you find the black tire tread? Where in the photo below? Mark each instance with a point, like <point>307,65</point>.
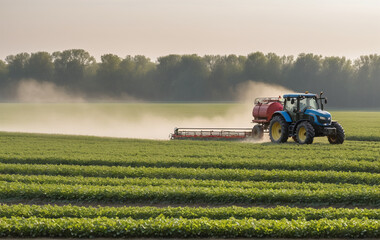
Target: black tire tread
<point>310,133</point>
<point>284,129</point>
<point>340,134</point>
<point>257,132</point>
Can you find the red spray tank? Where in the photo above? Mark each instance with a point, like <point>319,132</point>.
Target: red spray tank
<point>264,109</point>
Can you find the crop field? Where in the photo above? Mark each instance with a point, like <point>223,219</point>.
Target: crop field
<point>64,186</point>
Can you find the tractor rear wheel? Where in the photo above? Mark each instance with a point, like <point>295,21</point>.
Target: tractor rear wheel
<point>339,137</point>
<point>278,130</point>
<point>257,132</point>
<point>305,133</point>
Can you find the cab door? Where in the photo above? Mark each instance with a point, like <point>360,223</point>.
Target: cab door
<point>290,106</point>
<point>302,105</point>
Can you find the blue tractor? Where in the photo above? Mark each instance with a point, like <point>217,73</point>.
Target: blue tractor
<point>303,118</point>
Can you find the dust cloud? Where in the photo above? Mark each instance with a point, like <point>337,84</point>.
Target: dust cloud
<point>31,91</point>
<point>126,120</point>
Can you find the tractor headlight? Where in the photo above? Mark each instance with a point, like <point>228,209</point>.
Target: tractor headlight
<point>323,118</point>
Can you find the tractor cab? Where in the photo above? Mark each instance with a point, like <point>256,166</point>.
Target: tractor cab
<point>306,106</point>
<point>303,118</point>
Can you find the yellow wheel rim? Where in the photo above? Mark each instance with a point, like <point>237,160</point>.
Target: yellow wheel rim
<point>302,134</point>
<point>276,131</point>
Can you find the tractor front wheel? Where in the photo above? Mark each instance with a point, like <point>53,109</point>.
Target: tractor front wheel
<point>278,130</point>
<point>305,133</point>
<point>257,132</point>
<point>339,137</point>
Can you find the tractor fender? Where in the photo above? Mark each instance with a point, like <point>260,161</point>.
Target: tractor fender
<point>283,114</point>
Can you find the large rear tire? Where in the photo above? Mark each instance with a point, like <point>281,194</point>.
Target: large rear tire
<point>278,130</point>
<point>305,133</point>
<point>340,135</point>
<point>257,132</point>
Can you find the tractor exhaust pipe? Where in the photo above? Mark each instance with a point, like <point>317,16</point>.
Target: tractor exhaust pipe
<point>320,99</point>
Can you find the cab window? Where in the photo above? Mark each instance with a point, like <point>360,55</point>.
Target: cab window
<point>308,103</point>
<point>289,107</point>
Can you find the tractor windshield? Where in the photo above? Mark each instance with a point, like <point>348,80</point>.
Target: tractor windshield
<point>308,103</point>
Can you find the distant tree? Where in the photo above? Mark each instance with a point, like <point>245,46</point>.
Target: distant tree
<point>256,67</point>
<point>195,78</point>
<point>3,70</point>
<point>226,73</point>
<point>287,63</point>
<point>167,71</point>
<point>211,61</point>
<point>274,69</point>
<point>375,80</point>
<point>135,72</point>
<point>190,83</point>
<point>142,79</point>
<point>336,76</point>
<point>110,64</point>
<point>40,66</point>
<point>70,66</point>
<point>108,73</point>
<point>4,91</point>
<point>305,73</point>
<point>17,65</point>
<point>368,80</point>
<point>3,73</point>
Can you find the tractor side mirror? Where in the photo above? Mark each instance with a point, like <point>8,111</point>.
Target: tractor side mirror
<point>292,102</point>
<point>325,100</point>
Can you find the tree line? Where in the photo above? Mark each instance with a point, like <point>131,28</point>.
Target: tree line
<point>347,83</point>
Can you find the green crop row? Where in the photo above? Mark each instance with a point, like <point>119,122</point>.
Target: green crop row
<point>106,151</point>
<point>202,162</point>
<point>105,181</point>
<point>182,194</point>
<point>185,228</point>
<point>276,213</point>
<point>194,173</point>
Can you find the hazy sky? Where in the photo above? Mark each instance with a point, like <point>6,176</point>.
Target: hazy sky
<point>160,27</point>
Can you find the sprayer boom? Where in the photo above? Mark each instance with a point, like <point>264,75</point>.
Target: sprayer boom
<point>211,133</point>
